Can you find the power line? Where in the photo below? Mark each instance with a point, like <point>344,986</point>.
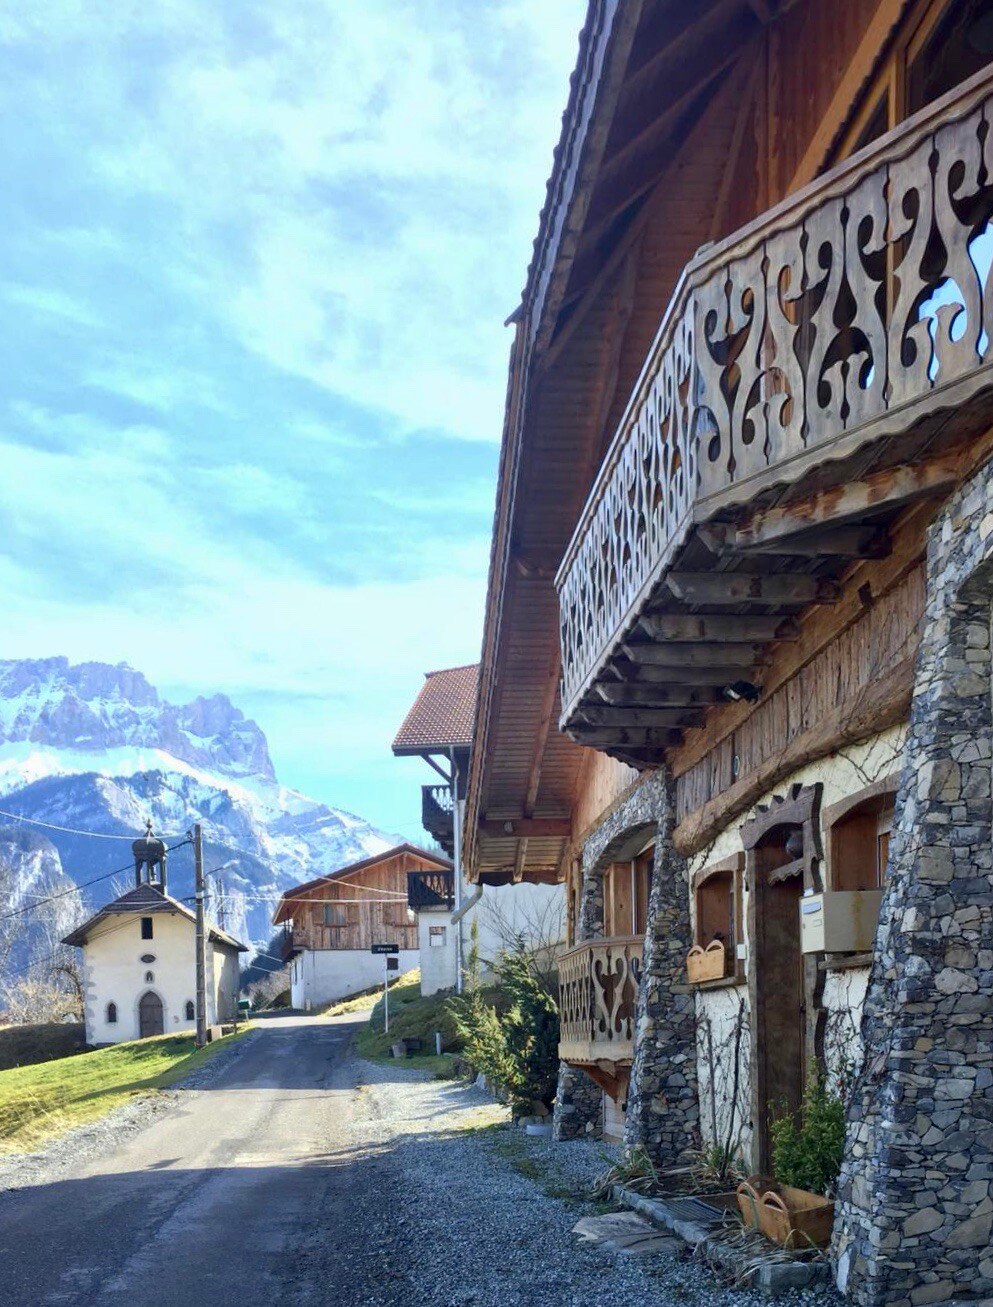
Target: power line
<point>75,889</point>
<point>17,818</point>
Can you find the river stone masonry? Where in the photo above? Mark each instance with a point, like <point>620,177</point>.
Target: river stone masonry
<point>578,1110</point>
<point>915,1209</point>
<point>662,1113</point>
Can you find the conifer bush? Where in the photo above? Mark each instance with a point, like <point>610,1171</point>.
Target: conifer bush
<point>807,1152</point>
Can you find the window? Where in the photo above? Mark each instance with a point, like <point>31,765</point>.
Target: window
<point>146,927</point>
<point>111,1014</point>
<point>626,886</point>
<point>340,914</point>
<point>859,838</point>
<point>437,936</point>
<point>149,977</point>
<point>717,899</point>
<point>190,1010</point>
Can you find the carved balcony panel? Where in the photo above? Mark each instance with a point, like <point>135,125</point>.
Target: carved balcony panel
<point>598,990</point>
<point>857,313</point>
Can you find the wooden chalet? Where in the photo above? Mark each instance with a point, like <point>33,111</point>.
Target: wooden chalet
<point>741,585</point>
<point>332,922</point>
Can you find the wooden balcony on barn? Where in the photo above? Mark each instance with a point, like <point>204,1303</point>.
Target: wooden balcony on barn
<point>598,992</point>
<point>813,376</point>
<point>430,889</point>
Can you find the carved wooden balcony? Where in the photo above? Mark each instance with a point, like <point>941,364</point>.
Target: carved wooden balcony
<point>839,346</point>
<point>428,890</point>
<point>437,815</point>
<point>598,990</point>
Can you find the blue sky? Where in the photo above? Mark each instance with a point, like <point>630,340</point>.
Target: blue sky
<point>255,262</point>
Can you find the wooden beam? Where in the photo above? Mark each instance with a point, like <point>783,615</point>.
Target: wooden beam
<point>523,828</point>
<point>891,488</point>
<point>671,654</point>
<point>657,696</point>
<point>648,717</point>
<point>828,542</point>
<point>619,737</point>
<point>748,588</point>
<point>696,676</point>
<point>729,629</point>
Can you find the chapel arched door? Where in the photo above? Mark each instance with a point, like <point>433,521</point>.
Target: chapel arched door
<point>150,1019</point>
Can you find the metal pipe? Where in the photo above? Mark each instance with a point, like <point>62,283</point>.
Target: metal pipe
<point>457,868</point>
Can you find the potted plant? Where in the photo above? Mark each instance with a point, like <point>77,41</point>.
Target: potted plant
<point>796,1208</point>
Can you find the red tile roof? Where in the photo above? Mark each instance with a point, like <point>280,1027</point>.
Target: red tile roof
<point>443,712</point>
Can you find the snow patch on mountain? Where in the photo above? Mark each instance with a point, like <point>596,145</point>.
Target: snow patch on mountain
<point>91,747</point>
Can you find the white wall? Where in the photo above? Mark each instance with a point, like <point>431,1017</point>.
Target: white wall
<point>438,965</point>
<point>113,972</point>
<point>535,913</point>
<point>321,976</point>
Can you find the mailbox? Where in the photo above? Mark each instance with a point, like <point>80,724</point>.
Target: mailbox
<point>839,921</point>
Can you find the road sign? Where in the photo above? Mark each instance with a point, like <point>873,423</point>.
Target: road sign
<point>392,964</point>
<point>386,948</point>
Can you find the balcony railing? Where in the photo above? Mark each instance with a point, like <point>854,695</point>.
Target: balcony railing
<point>848,314</point>
<point>430,889</point>
<point>598,991</point>
<point>437,816</point>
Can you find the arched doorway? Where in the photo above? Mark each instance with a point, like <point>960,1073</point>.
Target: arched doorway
<point>150,1019</point>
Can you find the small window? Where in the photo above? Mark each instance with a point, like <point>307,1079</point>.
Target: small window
<point>111,1014</point>
<point>190,1010</point>
<point>860,844</point>
<point>437,936</point>
<point>146,927</point>
<point>149,977</point>
<point>715,910</point>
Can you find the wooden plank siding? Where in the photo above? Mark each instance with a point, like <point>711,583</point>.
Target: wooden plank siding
<point>384,920</point>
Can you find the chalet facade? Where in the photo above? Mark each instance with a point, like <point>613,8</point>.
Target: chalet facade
<point>332,922</point>
<point>438,729</point>
<point>735,691</point>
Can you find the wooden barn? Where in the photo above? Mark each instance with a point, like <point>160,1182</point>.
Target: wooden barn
<point>735,688</point>
<point>332,922</point>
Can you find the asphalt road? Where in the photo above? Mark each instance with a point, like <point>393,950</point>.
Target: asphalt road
<point>223,1200</point>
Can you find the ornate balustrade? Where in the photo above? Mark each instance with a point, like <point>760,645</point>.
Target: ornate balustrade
<point>430,889</point>
<point>848,314</point>
<point>437,814</point>
<point>598,989</point>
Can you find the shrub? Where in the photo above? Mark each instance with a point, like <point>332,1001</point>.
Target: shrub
<point>807,1153</point>
<point>516,1049</point>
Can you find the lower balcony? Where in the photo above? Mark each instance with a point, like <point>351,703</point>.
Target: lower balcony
<point>598,993</point>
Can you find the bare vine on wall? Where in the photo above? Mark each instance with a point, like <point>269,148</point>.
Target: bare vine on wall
<point>725,1052</point>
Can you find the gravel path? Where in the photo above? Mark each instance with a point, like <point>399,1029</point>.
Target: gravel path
<point>457,1210</point>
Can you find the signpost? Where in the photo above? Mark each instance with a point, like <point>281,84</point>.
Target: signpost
<point>389,952</point>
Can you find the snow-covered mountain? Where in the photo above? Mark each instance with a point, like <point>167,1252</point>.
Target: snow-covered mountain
<point>93,748</point>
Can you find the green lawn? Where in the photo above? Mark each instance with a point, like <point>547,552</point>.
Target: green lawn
<point>412,1017</point>
<point>38,1102</point>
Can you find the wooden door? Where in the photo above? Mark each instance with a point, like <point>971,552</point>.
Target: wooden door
<point>150,1020</point>
<point>780,1053</point>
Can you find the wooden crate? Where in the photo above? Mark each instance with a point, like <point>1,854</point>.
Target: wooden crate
<point>708,963</point>
<point>791,1217</point>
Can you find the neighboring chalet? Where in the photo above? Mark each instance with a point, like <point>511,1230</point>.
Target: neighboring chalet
<point>438,728</point>
<point>332,922</point>
<point>139,961</point>
<point>735,690</point>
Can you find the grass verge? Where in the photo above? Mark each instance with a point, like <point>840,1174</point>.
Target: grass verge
<point>37,1103</point>
<point>412,1017</point>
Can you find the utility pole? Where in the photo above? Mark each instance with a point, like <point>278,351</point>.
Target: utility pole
<point>201,938</point>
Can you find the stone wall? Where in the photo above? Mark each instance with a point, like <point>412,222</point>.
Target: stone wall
<point>662,1109</point>
<point>579,1100</point>
<point>915,1208</point>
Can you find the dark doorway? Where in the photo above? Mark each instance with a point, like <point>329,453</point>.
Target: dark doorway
<point>780,1052</point>
<point>150,1021</point>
